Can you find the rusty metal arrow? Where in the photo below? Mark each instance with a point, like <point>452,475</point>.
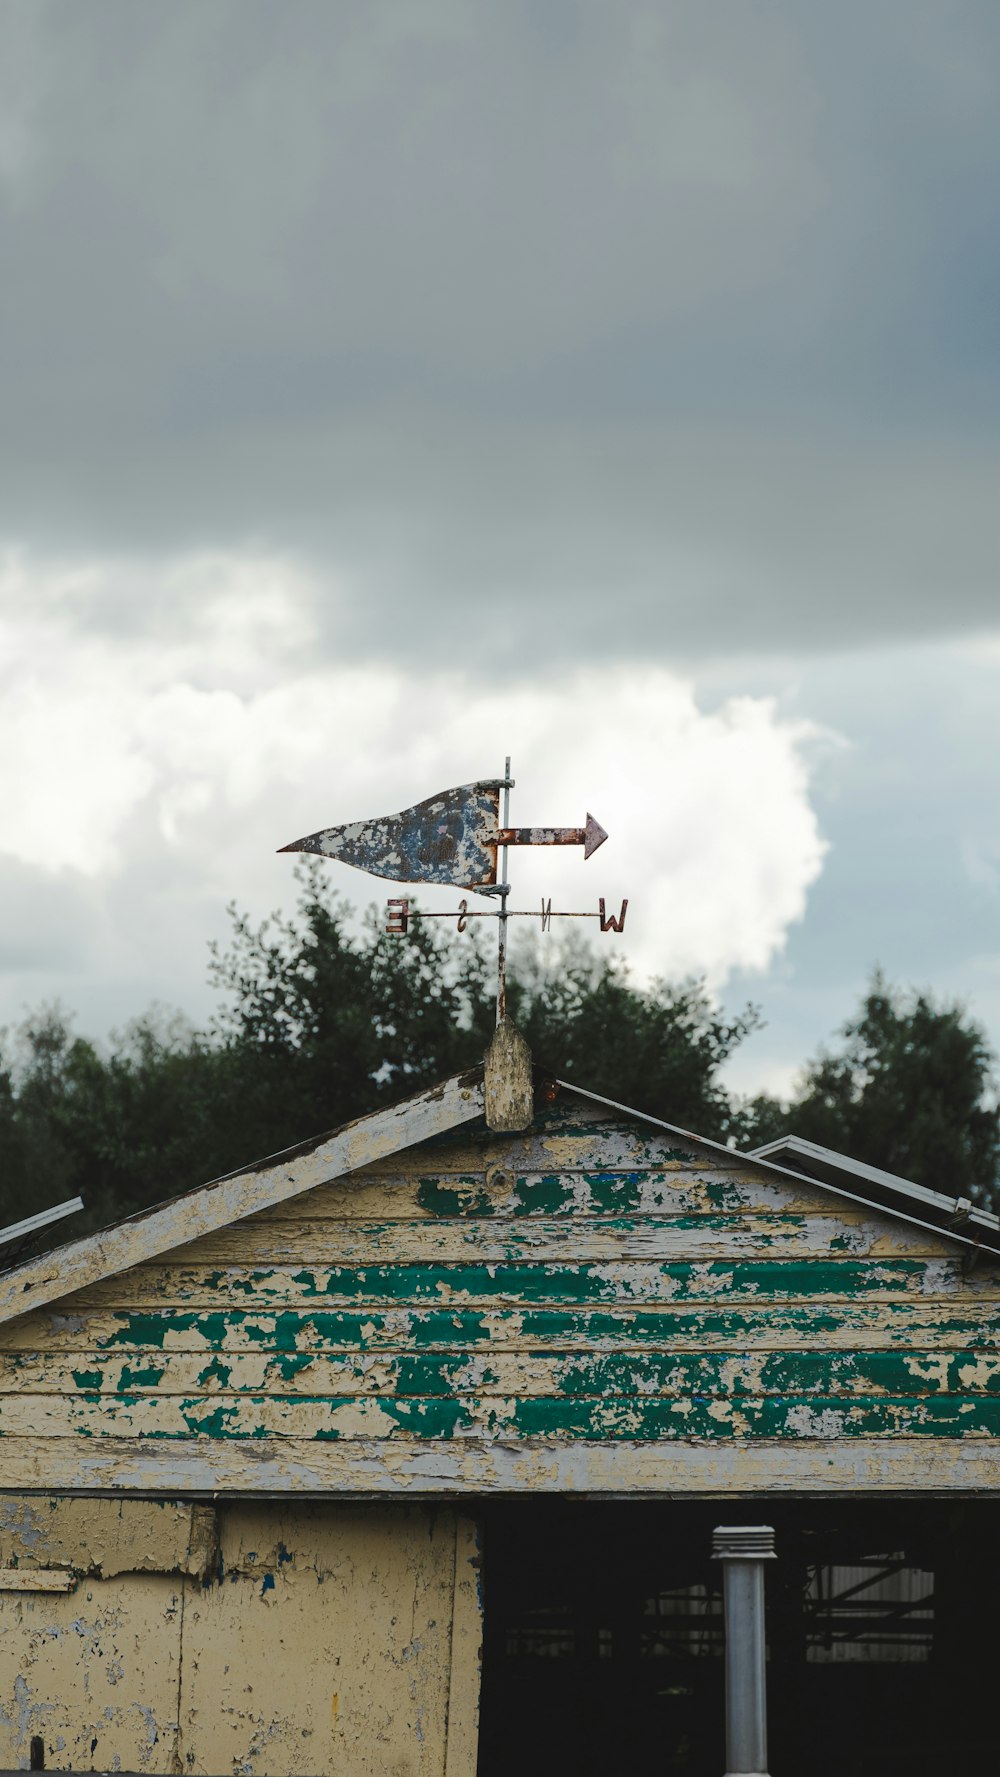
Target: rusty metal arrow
<point>590,836</point>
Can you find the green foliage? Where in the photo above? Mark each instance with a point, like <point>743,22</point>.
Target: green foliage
<point>911,1090</point>
<point>657,1049</point>
<point>319,1023</point>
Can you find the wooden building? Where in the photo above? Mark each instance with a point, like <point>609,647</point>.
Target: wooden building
<point>301,1468</point>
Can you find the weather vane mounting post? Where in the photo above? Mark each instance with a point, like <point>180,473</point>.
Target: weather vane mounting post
<point>457,837</point>
<point>504,892</point>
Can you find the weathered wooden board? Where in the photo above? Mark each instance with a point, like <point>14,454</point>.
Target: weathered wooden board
<point>104,1537</point>
<point>636,1371</point>
<point>509,1239</point>
<point>867,1325</point>
<point>524,1283</point>
<point>442,1467</point>
<point>485,1416</point>
<point>675,1188</point>
<point>63,1658</point>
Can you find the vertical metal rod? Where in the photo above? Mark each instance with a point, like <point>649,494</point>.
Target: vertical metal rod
<point>743,1549</point>
<point>504,891</point>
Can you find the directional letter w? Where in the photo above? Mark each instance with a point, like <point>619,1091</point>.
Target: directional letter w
<point>608,921</point>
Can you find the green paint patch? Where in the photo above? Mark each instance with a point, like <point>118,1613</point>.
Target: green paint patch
<point>214,1423</point>
<point>216,1371</point>
<point>461,1197</point>
<point>545,1194</point>
<point>143,1376</point>
<point>289,1364</point>
<point>87,1379</point>
<point>612,1192</point>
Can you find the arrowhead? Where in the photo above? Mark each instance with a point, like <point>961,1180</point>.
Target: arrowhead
<point>594,835</point>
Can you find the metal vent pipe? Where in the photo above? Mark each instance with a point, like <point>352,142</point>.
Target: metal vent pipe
<point>743,1549</point>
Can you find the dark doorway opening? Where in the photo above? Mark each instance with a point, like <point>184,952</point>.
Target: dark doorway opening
<point>604,1637</point>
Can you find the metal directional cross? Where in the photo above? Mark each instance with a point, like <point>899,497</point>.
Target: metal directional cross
<point>457,837</point>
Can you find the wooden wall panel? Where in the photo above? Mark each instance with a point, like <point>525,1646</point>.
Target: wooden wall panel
<point>591,1282</point>
<point>297,1638</point>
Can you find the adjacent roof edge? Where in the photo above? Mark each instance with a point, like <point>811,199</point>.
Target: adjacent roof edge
<point>826,1164</point>
<point>986,1238</point>
<point>18,1236</point>
<point>239,1194</point>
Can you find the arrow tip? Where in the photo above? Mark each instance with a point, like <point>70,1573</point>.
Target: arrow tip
<point>594,835</point>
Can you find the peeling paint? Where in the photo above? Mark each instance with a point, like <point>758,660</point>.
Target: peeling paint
<point>588,1281</point>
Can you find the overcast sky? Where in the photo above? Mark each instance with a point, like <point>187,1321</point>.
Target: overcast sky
<point>388,387</point>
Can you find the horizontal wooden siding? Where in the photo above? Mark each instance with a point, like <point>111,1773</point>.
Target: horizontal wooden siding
<point>590,1282</point>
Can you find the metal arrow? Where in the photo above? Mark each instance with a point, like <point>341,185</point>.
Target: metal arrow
<point>590,836</point>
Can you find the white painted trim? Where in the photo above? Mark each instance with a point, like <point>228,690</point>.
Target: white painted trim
<point>145,1236</point>
<point>441,1468</point>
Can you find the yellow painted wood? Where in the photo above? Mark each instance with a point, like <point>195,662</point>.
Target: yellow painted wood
<point>327,1646</point>
<point>105,1537</point>
<point>465,1670</point>
<point>600,1237</point>
<point>94,1673</point>
<point>325,1638</point>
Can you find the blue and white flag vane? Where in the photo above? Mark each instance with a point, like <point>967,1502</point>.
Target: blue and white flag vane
<point>456,838</point>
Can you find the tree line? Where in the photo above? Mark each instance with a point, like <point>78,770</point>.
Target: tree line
<point>319,1022</point>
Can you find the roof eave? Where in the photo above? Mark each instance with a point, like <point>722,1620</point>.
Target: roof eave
<point>237,1195</point>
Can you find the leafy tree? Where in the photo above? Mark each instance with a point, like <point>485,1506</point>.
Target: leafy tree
<point>912,1090</point>
<point>320,1022</point>
<point>658,1049</point>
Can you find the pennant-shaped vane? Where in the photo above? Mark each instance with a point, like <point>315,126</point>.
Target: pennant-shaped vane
<point>453,838</point>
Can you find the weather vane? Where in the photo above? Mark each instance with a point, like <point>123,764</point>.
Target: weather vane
<point>456,837</point>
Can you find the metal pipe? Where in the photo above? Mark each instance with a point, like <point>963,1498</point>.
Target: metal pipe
<point>504,890</point>
<point>743,1549</point>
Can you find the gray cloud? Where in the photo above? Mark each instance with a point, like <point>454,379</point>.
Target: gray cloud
<point>674,327</point>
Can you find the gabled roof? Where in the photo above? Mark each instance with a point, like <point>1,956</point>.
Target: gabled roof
<point>436,1111</point>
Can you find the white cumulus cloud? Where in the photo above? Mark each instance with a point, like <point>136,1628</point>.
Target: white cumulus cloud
<point>159,768</point>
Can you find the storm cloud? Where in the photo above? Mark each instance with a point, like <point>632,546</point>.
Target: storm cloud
<point>663,325</point>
